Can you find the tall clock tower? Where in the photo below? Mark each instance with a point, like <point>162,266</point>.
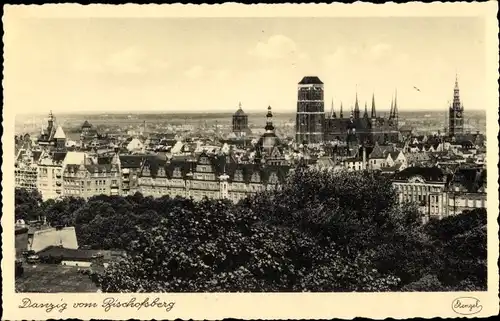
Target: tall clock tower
<point>456,111</point>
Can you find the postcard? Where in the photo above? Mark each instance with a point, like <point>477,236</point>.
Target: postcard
<point>294,161</point>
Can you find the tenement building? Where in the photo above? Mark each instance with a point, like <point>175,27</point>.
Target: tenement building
<point>467,190</point>
<point>438,194</point>
<point>425,186</point>
<point>26,169</point>
<point>85,176</point>
<point>313,127</point>
<point>212,176</point>
<point>49,180</point>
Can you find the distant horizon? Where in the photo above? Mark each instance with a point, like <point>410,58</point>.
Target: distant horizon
<point>250,111</point>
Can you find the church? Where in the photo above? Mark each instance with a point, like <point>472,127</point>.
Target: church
<point>313,127</point>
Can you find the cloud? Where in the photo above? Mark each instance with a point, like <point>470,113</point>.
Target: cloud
<point>194,72</point>
<point>222,74</point>
<point>131,60</point>
<point>381,53</point>
<point>276,47</point>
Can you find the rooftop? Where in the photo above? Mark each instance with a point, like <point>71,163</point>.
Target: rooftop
<point>310,80</point>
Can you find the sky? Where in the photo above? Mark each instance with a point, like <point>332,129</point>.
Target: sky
<point>212,64</point>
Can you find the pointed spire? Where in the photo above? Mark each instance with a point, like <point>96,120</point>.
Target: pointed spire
<point>341,110</point>
<point>332,113</point>
<point>392,107</point>
<point>356,105</point>
<point>395,111</point>
<point>374,112</point>
<point>366,111</point>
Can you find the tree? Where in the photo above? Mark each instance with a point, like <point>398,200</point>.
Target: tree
<point>27,205</point>
<point>61,212</point>
<point>346,208</point>
<point>218,246</point>
<point>462,240</point>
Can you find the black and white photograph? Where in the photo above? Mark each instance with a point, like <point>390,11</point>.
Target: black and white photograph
<point>249,154</point>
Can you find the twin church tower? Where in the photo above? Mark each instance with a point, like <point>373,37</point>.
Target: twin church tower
<point>314,127</point>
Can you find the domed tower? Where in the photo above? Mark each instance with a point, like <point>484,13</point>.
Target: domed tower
<point>240,122</point>
<point>310,111</point>
<point>268,141</point>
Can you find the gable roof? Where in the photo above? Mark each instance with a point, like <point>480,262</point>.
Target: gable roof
<point>59,134</point>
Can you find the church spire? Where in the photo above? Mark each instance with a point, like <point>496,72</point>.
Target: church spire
<point>356,105</point>
<point>395,111</point>
<point>332,112</point>
<point>392,107</point>
<point>374,112</point>
<point>341,111</point>
<point>365,115</point>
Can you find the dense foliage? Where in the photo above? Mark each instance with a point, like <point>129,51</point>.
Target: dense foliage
<point>321,231</point>
<point>28,205</point>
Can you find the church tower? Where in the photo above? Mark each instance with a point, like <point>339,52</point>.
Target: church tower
<point>456,121</point>
<point>240,122</point>
<point>310,111</point>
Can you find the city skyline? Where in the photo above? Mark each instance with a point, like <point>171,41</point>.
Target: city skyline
<point>128,65</point>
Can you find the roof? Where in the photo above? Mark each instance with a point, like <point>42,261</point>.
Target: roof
<point>394,155</point>
<point>86,124</point>
<point>131,161</point>
<point>59,133</point>
<point>58,156</point>
<point>104,160</point>
<point>471,179</point>
<point>432,174</point>
<point>310,80</point>
<point>36,155</point>
<point>75,158</point>
<point>239,112</point>
<point>376,152</point>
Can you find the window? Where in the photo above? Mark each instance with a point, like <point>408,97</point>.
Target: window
<point>238,176</point>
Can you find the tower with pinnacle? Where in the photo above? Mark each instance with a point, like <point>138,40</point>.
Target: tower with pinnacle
<point>455,113</point>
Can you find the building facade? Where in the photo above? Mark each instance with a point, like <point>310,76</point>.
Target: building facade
<point>211,176</point>
<point>49,180</point>
<point>90,178</point>
<point>26,169</point>
<point>313,127</point>
<point>467,190</point>
<point>425,186</point>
